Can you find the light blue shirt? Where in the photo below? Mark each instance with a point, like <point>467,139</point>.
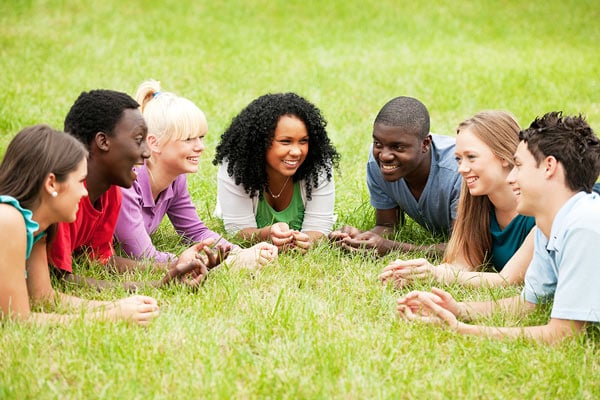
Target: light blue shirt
<point>566,265</point>
<point>436,208</point>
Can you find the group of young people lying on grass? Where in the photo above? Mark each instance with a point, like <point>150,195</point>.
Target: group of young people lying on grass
<point>518,205</point>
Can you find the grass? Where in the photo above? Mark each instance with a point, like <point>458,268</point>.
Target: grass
<point>318,326</point>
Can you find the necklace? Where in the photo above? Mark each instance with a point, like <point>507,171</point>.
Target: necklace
<point>278,195</point>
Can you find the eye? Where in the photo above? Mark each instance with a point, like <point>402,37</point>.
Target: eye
<point>458,159</point>
<point>376,144</point>
<point>304,141</point>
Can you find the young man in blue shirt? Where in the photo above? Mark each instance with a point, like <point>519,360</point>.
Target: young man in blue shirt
<point>409,171</point>
<point>556,165</point>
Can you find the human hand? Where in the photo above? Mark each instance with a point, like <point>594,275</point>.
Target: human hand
<point>403,272</point>
<point>136,309</point>
<point>435,307</point>
<point>190,253</point>
<point>191,273</point>
<point>345,232</point>
<point>281,235</point>
<point>366,241</point>
<point>301,241</point>
<point>254,257</point>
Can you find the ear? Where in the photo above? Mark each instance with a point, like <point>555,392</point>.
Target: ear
<point>153,144</point>
<point>102,141</point>
<point>426,144</point>
<point>50,184</point>
<point>551,166</point>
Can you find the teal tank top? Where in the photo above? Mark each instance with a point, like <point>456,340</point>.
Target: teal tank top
<point>293,215</point>
<point>506,242</point>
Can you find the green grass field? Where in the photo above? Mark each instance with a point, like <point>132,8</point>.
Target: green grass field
<point>318,326</point>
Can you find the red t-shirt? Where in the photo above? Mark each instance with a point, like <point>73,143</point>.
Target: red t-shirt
<point>92,230</point>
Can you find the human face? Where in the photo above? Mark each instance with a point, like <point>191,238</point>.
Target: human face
<point>70,192</point>
<point>128,148</point>
<point>182,156</point>
<point>398,151</point>
<point>527,180</point>
<point>288,149</point>
<point>483,171</point>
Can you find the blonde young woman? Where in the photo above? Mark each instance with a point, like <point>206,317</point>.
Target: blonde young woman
<point>488,229</point>
<point>41,182</point>
<point>176,129</point>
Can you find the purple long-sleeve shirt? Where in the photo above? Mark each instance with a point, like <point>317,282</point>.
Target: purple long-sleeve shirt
<point>140,216</point>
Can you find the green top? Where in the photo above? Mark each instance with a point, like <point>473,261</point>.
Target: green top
<point>293,215</point>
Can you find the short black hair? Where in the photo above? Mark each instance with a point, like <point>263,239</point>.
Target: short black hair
<point>571,141</point>
<point>245,142</point>
<point>97,111</point>
<point>406,112</point>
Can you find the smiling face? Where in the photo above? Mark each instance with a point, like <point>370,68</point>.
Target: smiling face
<point>128,148</point>
<point>527,180</point>
<point>182,156</point>
<point>399,152</point>
<point>288,149</point>
<point>70,191</point>
<point>483,171</point>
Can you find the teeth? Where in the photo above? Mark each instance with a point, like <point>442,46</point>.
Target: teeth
<point>389,167</point>
<point>292,163</point>
<point>472,179</point>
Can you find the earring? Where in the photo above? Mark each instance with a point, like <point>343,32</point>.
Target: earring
<point>54,194</point>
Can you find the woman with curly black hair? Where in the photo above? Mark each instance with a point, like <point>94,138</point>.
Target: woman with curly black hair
<point>276,176</point>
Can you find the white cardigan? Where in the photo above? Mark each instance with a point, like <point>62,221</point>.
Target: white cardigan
<point>238,210</point>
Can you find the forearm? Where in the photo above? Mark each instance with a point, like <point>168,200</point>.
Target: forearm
<point>446,274</point>
<point>314,236</point>
<point>512,305</point>
<point>78,303</point>
<point>550,333</point>
<point>255,235</point>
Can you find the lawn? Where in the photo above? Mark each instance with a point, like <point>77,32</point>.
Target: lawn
<point>321,325</point>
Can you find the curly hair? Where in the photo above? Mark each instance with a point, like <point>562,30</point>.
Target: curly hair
<point>97,111</point>
<point>571,141</point>
<point>251,134</point>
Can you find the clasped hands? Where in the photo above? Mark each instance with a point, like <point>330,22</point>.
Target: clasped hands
<point>192,266</point>
<point>436,307</point>
<point>285,238</point>
<point>352,239</point>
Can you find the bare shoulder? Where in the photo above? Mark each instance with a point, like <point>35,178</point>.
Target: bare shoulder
<point>12,222</point>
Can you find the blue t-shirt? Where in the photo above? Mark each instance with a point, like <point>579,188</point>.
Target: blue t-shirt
<point>506,242</point>
<point>30,225</point>
<point>565,265</point>
<point>436,208</point>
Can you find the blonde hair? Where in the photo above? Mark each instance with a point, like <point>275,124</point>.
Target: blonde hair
<point>471,236</point>
<point>168,116</point>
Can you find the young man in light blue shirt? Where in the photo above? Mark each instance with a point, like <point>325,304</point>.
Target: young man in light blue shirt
<point>409,171</point>
<point>556,165</point>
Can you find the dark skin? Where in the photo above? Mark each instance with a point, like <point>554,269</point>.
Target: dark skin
<point>400,154</point>
<point>110,162</point>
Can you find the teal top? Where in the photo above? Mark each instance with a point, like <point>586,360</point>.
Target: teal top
<point>506,242</point>
<point>293,215</point>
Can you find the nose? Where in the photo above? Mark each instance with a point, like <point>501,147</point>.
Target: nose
<point>199,144</point>
<point>145,150</point>
<point>84,191</point>
<point>512,176</point>
<point>386,155</point>
<point>295,150</point>
<point>463,168</point>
